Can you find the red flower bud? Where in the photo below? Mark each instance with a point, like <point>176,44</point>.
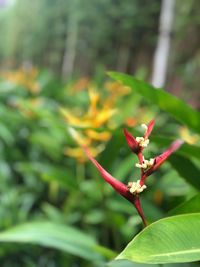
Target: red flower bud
<point>149,129</point>
<point>131,141</point>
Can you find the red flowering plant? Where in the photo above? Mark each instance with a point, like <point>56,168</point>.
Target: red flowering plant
<point>132,190</point>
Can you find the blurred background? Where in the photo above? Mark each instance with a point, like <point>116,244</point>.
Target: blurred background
<point>55,95</point>
<point>84,38</point>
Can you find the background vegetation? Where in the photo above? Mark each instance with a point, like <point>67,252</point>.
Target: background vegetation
<point>54,90</point>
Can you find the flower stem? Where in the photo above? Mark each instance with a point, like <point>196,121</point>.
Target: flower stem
<point>139,210</point>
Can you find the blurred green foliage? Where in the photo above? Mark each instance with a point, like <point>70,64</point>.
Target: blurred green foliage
<point>84,38</point>
<point>56,210</point>
<point>43,188</point>
<point>64,27</point>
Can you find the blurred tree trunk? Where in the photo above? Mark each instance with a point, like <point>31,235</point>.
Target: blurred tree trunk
<point>163,46</point>
<point>69,56</point>
<point>70,48</point>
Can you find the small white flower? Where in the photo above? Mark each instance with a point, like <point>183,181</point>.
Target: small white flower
<point>142,166</point>
<point>139,139</point>
<point>142,142</point>
<point>144,126</point>
<point>146,164</point>
<point>135,187</point>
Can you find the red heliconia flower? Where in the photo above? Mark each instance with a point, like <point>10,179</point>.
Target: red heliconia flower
<point>133,189</point>
<point>119,187</point>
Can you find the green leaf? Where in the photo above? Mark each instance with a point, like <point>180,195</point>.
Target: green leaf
<point>170,240</point>
<point>125,167</point>
<point>165,101</point>
<point>172,185</point>
<point>186,169</point>
<point>53,235</point>
<point>123,263</point>
<point>112,149</point>
<point>189,206</point>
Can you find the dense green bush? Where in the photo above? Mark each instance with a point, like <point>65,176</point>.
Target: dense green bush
<point>59,202</point>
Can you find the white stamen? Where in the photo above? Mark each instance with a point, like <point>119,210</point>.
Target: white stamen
<point>135,187</point>
<point>144,126</point>
<point>139,139</point>
<point>142,142</point>
<point>142,166</point>
<point>146,164</point>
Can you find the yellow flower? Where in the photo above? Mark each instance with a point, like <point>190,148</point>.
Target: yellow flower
<point>79,155</point>
<point>24,77</point>
<point>95,117</point>
<point>80,139</point>
<point>117,88</point>
<point>98,136</point>
<point>102,117</point>
<point>94,98</point>
<point>98,115</point>
<point>187,136</point>
<point>74,120</point>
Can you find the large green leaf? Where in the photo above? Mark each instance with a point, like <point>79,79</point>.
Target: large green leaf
<point>170,240</point>
<point>165,101</point>
<point>129,264</point>
<point>54,235</point>
<point>123,263</point>
<point>189,206</point>
<point>187,169</point>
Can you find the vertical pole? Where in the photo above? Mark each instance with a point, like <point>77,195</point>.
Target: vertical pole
<point>161,55</point>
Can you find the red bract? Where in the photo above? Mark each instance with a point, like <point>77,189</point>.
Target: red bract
<point>119,187</point>
<point>149,128</point>
<point>132,142</point>
<point>133,189</point>
<point>159,160</point>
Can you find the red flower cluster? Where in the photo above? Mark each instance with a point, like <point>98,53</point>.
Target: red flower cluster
<point>137,145</point>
